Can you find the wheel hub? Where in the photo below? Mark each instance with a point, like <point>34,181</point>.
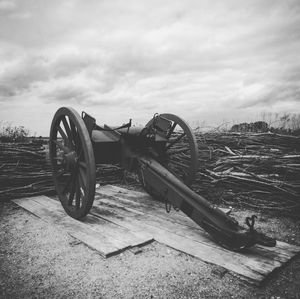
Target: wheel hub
<point>70,161</point>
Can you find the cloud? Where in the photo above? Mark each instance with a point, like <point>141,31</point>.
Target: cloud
<point>191,58</point>
<point>26,72</point>
<point>274,94</point>
<point>68,93</point>
<point>11,10</point>
<point>21,73</point>
<point>7,6</point>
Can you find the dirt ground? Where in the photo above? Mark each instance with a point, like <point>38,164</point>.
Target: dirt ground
<point>41,261</point>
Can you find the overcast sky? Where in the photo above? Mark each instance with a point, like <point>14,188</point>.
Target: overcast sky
<point>210,61</point>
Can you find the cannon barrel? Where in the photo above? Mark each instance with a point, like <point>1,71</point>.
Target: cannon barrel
<point>223,228</point>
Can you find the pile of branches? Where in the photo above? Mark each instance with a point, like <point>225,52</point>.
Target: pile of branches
<point>259,170</point>
<point>25,170</point>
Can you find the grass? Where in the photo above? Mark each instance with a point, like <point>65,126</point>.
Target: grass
<point>10,133</point>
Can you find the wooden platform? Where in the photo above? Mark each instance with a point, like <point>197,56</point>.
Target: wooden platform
<point>121,219</point>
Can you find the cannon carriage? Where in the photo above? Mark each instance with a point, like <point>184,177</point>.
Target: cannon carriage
<point>163,153</point>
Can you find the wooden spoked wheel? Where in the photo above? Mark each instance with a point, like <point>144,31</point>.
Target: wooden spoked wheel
<point>181,150</point>
<point>73,163</point>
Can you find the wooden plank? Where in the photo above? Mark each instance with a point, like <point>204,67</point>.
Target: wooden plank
<point>137,210</point>
<point>157,219</point>
<point>113,190</point>
<point>254,270</point>
<point>107,238</point>
<point>117,234</point>
<point>148,206</point>
<point>136,196</point>
<point>280,252</point>
<point>196,235</point>
<point>143,202</point>
<point>156,209</point>
<point>75,228</point>
<point>151,218</point>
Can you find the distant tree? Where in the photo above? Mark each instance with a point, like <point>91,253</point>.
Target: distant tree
<point>261,126</point>
<point>235,128</point>
<point>9,133</point>
<point>258,126</point>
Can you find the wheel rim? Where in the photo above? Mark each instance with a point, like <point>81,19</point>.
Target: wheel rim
<point>73,163</point>
<point>181,151</point>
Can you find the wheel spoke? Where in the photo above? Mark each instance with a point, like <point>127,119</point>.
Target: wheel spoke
<point>68,183</point>
<point>68,131</point>
<point>60,173</point>
<point>176,140</point>
<point>78,193</point>
<point>171,130</point>
<point>179,151</point>
<point>63,135</point>
<point>62,147</point>
<point>80,156</point>
<point>75,136</point>
<point>79,146</point>
<point>82,164</point>
<point>72,191</point>
<point>82,178</point>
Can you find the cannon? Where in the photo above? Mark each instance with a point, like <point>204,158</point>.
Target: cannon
<point>163,154</point>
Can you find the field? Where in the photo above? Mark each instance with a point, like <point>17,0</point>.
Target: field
<point>252,172</point>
